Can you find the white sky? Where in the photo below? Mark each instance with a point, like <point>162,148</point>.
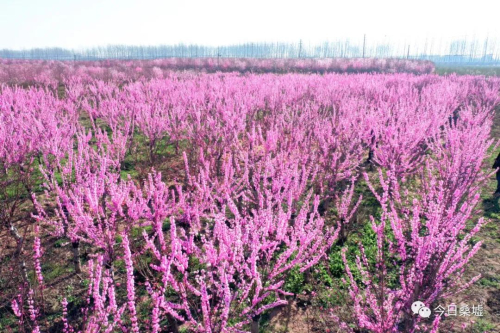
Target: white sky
<point>85,23</point>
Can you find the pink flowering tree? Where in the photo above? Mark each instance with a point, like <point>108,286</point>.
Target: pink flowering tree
<point>242,261</point>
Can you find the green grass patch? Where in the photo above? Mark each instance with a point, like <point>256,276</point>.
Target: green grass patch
<point>490,281</point>
<point>52,271</point>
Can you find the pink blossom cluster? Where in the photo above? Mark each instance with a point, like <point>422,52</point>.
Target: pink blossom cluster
<point>267,184</point>
<point>52,72</point>
<point>430,232</point>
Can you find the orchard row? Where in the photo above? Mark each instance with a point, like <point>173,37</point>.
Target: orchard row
<point>195,196</point>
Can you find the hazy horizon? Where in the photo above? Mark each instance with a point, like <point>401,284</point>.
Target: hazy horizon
<point>79,25</point>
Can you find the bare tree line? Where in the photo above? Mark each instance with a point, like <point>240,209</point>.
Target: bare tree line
<point>473,52</point>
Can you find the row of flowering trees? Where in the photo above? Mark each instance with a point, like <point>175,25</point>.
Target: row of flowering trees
<point>53,72</point>
<point>236,182</point>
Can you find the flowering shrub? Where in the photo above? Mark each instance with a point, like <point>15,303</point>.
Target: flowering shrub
<point>49,73</point>
<point>196,196</point>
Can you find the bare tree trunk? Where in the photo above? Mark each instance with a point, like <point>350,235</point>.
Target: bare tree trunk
<point>370,156</point>
<point>172,324</point>
<point>219,165</point>
<point>76,256</point>
<point>254,326</point>
<point>342,233</point>
<point>19,240</point>
<point>152,152</point>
